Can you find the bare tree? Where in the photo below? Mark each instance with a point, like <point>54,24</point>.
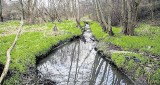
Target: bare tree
<point>102,16</point>
<point>31,9</point>
<point>129,13</point>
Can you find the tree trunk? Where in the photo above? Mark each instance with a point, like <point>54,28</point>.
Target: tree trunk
<point>78,15</point>
<point>33,12</point>
<point>124,17</point>
<point>22,8</point>
<point>110,32</point>
<point>1,17</point>
<point>65,10</point>
<point>73,8</point>
<point>102,17</point>
<point>97,12</point>
<point>29,12</point>
<point>130,29</point>
<point>129,16</point>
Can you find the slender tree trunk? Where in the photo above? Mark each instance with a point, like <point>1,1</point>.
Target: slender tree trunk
<point>33,11</point>
<point>102,17</point>
<point>152,9</point>
<point>124,17</point>
<point>29,12</point>
<point>110,32</point>
<point>97,12</point>
<point>65,10</point>
<point>73,8</point>
<point>78,15</point>
<point>130,29</point>
<point>22,8</point>
<point>1,17</point>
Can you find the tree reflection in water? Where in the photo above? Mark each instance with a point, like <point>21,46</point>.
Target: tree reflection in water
<point>78,63</point>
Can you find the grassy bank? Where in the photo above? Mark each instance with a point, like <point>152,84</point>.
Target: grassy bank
<point>144,47</point>
<point>33,41</point>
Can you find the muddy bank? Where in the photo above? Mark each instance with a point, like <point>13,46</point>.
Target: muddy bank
<point>108,58</point>
<point>10,72</point>
<point>1,68</point>
<point>107,50</point>
<point>54,47</point>
<point>31,77</point>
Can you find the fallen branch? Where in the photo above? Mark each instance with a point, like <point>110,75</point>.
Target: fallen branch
<point>6,67</point>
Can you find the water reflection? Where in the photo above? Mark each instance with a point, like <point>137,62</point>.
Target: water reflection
<point>78,63</point>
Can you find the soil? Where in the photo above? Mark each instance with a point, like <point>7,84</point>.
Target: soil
<point>1,68</point>
<point>114,47</point>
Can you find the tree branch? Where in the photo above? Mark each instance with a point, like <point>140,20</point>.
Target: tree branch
<point>5,70</point>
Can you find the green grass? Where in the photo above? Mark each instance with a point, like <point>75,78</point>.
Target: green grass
<point>142,42</point>
<point>133,63</point>
<point>146,40</point>
<point>127,62</point>
<point>4,25</point>
<point>32,44</point>
<point>121,58</point>
<point>97,31</point>
<point>154,78</point>
<point>1,31</point>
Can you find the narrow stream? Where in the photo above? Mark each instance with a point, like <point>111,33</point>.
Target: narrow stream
<point>77,63</point>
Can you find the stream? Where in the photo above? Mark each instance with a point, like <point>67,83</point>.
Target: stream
<point>78,63</point>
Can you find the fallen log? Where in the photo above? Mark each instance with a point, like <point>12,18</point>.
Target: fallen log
<point>6,67</point>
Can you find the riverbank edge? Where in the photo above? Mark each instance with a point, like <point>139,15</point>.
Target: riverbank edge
<point>53,48</point>
<point>30,76</point>
<point>108,58</point>
<point>107,54</point>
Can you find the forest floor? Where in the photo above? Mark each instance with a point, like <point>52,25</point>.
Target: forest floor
<point>138,56</point>
<point>35,40</point>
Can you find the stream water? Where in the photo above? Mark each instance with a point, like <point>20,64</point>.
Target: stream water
<point>77,63</point>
